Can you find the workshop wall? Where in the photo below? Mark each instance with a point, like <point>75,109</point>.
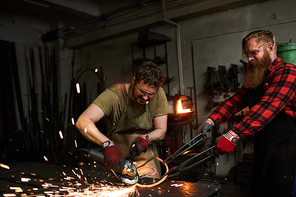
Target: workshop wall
<point>26,33</point>
<point>113,57</point>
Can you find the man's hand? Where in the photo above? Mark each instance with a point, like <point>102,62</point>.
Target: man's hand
<point>140,144</point>
<point>112,156</point>
<point>226,143</point>
<point>206,128</point>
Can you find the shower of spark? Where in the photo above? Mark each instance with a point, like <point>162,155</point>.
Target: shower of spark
<point>78,88</point>
<point>61,134</point>
<point>4,166</point>
<point>106,191</point>
<point>25,179</point>
<point>74,187</point>
<point>73,121</point>
<point>92,191</point>
<point>45,158</point>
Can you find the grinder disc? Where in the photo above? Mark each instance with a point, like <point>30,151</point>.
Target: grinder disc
<point>130,181</point>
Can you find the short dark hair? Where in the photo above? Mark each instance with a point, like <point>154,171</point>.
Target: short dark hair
<point>261,35</point>
<point>150,73</point>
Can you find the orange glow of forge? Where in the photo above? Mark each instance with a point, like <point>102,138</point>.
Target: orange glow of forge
<point>180,109</point>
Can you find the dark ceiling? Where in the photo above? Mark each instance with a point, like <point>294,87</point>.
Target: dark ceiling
<point>95,20</point>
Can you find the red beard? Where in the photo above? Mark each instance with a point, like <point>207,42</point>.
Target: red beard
<point>255,71</point>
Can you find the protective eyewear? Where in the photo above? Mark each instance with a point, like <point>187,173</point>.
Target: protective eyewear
<point>144,92</point>
<point>254,52</point>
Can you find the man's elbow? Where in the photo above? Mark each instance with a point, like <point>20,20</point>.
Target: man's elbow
<point>162,136</point>
<point>79,124</point>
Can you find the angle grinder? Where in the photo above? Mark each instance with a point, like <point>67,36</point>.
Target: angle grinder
<point>126,169</point>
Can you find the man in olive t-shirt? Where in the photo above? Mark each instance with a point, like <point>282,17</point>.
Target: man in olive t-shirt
<point>138,116</point>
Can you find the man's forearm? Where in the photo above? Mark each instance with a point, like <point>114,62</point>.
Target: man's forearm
<point>89,130</point>
<point>234,134</point>
<point>160,128</point>
<point>156,135</point>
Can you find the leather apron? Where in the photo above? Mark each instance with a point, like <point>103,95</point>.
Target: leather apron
<point>127,129</point>
<point>274,160</point>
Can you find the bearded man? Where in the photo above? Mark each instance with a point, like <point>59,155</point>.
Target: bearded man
<point>269,92</point>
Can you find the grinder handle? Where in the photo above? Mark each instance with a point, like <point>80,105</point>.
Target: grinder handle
<point>96,155</point>
<point>133,155</point>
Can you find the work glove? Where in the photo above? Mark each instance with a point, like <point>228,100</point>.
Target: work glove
<point>140,144</point>
<point>225,144</point>
<point>206,129</point>
<point>112,156</point>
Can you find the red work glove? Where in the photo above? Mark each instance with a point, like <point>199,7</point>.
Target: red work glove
<point>112,156</point>
<point>140,144</point>
<point>225,144</point>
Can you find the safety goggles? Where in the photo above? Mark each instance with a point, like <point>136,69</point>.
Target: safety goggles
<point>254,52</point>
<point>144,92</point>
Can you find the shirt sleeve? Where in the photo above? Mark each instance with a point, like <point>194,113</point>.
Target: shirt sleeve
<point>162,107</point>
<point>105,101</point>
<point>225,110</point>
<point>112,100</point>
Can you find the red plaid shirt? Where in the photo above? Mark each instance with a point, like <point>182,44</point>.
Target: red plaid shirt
<point>279,95</point>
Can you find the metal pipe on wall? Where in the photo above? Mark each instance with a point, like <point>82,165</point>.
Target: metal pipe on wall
<point>194,86</point>
<point>179,54</point>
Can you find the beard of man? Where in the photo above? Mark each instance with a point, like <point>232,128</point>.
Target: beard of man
<point>255,71</point>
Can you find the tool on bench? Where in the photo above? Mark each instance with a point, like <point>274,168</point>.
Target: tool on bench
<point>182,150</point>
<point>128,172</point>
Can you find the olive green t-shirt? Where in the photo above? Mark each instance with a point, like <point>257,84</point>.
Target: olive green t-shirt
<point>113,101</point>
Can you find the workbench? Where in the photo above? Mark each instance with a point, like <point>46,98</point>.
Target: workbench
<point>42,178</point>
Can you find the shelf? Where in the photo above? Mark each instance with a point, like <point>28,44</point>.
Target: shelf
<point>150,39</point>
<point>159,60</point>
<point>150,43</point>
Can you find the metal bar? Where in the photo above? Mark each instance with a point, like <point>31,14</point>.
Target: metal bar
<point>194,87</point>
<point>34,103</point>
<point>192,158</point>
<point>167,68</point>
<point>179,52</point>
<point>181,168</point>
<point>170,158</point>
<point>14,69</point>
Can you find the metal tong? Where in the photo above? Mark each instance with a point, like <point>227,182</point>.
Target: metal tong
<point>181,151</point>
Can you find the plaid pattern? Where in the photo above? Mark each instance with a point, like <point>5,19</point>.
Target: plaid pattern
<point>279,96</point>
